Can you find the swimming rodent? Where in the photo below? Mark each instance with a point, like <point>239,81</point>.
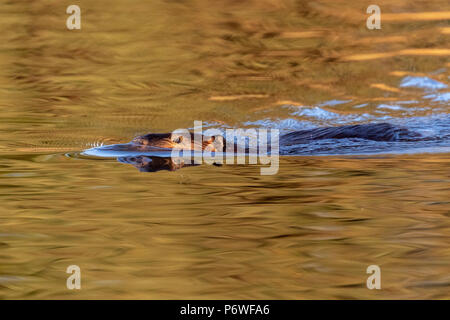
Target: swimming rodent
<point>371,131</point>
<point>198,142</point>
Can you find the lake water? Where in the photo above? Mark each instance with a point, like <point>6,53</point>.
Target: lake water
<point>308,232</point>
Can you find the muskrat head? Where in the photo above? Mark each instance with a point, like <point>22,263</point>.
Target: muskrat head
<point>188,141</point>
<point>160,140</point>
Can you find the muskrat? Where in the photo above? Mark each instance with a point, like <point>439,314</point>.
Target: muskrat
<point>217,143</point>
<point>371,131</point>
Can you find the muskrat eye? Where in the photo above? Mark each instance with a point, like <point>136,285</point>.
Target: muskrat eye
<point>178,139</point>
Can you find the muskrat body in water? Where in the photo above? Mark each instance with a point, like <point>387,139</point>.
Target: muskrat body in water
<point>373,131</point>
<point>150,152</point>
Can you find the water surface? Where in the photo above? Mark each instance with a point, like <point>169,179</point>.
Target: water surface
<point>308,232</point>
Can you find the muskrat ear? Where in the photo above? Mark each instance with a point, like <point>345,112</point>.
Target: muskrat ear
<point>218,138</point>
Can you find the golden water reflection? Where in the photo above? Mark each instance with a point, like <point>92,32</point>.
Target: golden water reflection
<point>227,232</point>
<point>215,232</point>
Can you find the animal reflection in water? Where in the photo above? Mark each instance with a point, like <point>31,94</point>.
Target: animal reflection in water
<point>154,164</point>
